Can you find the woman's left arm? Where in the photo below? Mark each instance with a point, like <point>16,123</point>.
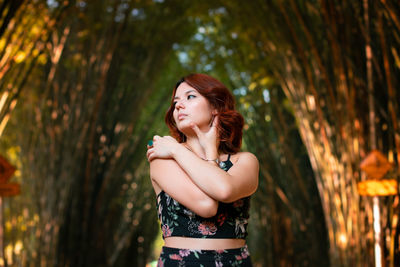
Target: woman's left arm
<point>239,181</point>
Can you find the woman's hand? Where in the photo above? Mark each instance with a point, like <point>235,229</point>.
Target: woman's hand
<point>208,140</point>
<point>162,147</point>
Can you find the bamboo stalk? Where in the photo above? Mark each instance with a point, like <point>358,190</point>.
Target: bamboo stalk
<point>285,143</point>
<point>392,112</point>
<point>391,11</point>
<point>316,56</point>
<point>13,7</point>
<point>309,77</point>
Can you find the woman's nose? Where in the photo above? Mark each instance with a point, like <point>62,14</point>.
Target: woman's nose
<point>179,105</point>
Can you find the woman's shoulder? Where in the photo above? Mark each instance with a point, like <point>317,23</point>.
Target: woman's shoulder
<point>159,168</point>
<point>244,156</point>
<point>161,165</point>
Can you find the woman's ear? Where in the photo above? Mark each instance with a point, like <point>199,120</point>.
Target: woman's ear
<point>214,112</point>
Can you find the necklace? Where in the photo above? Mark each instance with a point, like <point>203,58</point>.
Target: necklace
<point>221,164</point>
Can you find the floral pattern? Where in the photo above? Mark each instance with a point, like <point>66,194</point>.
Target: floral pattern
<point>221,218</point>
<point>207,228</point>
<point>166,231</point>
<point>229,222</point>
<point>206,258</point>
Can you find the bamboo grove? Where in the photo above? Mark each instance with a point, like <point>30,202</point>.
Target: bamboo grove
<point>85,84</point>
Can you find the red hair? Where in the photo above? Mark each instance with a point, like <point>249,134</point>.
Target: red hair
<point>230,123</point>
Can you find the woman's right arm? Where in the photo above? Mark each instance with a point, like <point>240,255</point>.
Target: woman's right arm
<point>170,177</point>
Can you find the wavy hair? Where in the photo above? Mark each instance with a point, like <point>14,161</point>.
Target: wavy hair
<point>230,124</point>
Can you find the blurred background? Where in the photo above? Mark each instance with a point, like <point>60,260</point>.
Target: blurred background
<point>85,84</point>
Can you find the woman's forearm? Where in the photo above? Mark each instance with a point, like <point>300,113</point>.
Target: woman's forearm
<point>180,187</point>
<point>207,175</point>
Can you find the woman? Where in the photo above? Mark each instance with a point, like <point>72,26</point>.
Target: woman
<point>203,183</point>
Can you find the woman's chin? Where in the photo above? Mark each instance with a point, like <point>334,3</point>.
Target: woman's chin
<point>183,124</point>
<point>185,129</point>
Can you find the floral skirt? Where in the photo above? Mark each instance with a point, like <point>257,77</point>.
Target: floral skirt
<point>216,258</point>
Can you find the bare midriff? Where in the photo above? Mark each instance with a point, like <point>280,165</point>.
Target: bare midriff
<point>203,243</point>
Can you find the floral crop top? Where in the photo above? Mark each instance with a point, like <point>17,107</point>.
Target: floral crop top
<point>229,222</point>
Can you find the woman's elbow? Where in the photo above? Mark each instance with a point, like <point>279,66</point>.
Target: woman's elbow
<point>226,195</point>
<point>209,209</point>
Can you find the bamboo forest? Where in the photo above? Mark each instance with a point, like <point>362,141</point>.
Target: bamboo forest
<point>85,84</point>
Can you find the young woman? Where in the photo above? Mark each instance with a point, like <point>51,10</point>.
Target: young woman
<point>203,183</point>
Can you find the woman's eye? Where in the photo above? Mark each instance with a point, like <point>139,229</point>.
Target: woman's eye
<point>190,96</point>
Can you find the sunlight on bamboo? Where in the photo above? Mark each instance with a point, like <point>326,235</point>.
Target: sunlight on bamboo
<point>3,100</point>
<point>377,231</point>
<point>342,240</point>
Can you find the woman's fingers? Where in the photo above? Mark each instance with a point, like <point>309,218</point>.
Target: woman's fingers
<point>196,129</point>
<point>150,157</point>
<point>160,147</point>
<point>215,121</point>
<point>169,137</point>
<point>149,151</point>
<point>151,154</point>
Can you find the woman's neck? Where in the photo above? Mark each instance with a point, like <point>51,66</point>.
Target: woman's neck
<point>193,144</point>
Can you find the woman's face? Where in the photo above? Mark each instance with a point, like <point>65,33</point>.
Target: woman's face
<point>191,106</point>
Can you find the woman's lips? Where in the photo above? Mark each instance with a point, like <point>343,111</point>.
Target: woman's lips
<point>181,116</point>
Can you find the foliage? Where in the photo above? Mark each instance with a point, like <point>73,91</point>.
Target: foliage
<point>319,53</point>
<point>92,81</point>
<point>85,131</point>
<point>286,211</point>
